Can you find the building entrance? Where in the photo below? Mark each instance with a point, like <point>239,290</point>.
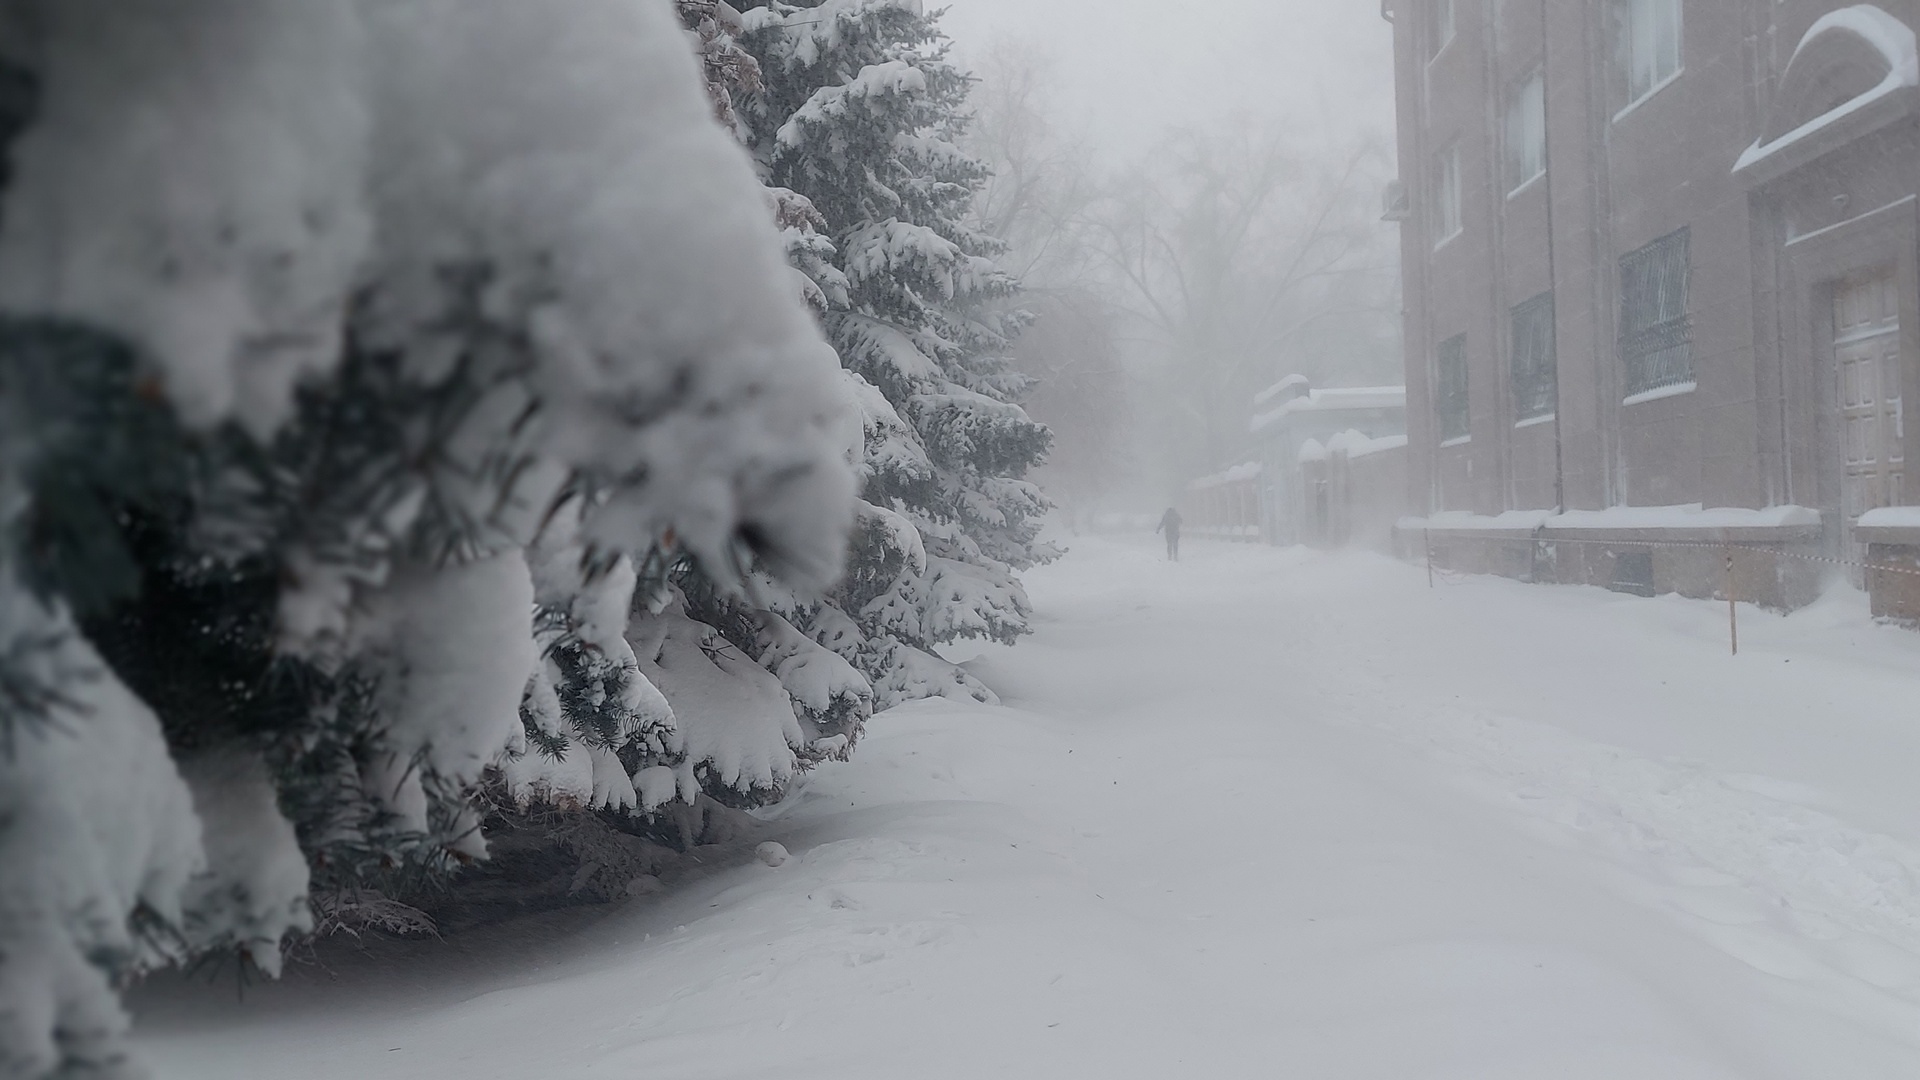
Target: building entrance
<point>1866,348</point>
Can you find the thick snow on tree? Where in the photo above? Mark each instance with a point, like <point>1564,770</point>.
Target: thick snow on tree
<point>859,113</point>
<point>360,360</point>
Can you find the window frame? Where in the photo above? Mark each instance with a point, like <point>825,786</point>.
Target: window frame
<point>1526,116</point>
<point>1638,25</point>
<point>1442,27</point>
<point>1444,196</point>
<point>1533,368</point>
<point>1655,340</point>
<point>1452,392</point>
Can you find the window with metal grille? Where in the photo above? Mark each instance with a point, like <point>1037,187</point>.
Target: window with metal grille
<point>1535,377</point>
<point>1450,400</point>
<point>1656,333</point>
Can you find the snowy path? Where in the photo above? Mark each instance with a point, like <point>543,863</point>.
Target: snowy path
<point>1259,814</point>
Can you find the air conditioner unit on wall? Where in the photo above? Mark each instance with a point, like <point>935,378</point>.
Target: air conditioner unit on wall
<point>1394,205</point>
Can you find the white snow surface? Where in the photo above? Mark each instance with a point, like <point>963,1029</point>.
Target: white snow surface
<point>1357,444</point>
<point>1896,517</point>
<point>731,715</point>
<point>451,717</point>
<point>1256,813</point>
<point>94,822</point>
<point>255,888</point>
<point>194,181</point>
<point>614,214</point>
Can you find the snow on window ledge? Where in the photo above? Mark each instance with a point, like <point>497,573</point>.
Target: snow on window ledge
<point>1659,392</point>
<point>1457,440</point>
<point>1526,185</point>
<point>1535,421</point>
<point>1652,91</point>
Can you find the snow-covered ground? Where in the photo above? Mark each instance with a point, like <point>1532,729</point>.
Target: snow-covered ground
<point>1262,813</point>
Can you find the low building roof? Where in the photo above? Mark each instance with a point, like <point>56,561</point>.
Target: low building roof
<point>1334,399</point>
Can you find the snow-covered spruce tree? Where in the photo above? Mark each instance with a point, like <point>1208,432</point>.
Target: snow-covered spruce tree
<point>328,356</point>
<point>854,125</point>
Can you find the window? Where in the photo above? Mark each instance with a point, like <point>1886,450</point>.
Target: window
<point>1444,190</point>
<point>1526,131</point>
<point>1656,334</point>
<point>1647,44</point>
<point>1450,389</point>
<point>1535,378</point>
<point>1440,25</point>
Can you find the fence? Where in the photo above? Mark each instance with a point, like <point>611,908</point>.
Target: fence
<point>1225,506</point>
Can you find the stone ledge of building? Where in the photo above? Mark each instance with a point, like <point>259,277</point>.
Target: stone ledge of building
<point>1703,534</point>
<point>1511,525</point>
<point>1787,525</point>
<point>1888,535</point>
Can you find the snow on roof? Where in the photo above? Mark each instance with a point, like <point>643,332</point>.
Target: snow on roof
<point>1334,399</point>
<point>1311,450</point>
<point>1279,388</point>
<point>1245,471</point>
<point>1891,517</point>
<point>1466,521</point>
<point>1356,444</point>
<point>1893,39</point>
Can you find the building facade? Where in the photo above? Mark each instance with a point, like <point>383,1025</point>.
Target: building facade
<point>1661,252</point>
<point>1291,416</point>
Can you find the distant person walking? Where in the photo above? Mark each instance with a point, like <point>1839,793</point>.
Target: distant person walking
<point>1170,524</point>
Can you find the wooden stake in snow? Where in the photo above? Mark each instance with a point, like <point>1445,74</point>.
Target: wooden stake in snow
<point>1733,610</point>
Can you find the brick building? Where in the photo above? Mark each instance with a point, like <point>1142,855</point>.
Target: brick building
<point>1657,253</point>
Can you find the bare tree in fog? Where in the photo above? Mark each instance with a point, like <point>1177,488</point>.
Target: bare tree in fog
<point>1039,201</point>
<point>1170,291</point>
<point>1242,259</point>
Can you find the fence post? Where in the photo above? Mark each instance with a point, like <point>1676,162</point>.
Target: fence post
<point>1427,537</point>
<point>1733,608</point>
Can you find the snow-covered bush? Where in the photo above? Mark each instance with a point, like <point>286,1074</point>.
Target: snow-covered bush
<point>360,361</point>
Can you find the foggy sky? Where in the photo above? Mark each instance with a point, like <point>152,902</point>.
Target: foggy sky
<point>1129,69</point>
